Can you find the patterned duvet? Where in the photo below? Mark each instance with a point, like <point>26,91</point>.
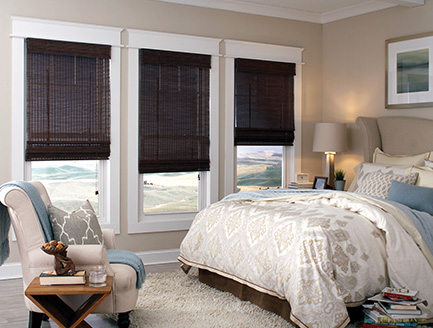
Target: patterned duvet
<point>321,252</point>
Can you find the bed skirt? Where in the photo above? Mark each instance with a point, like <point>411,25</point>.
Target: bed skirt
<point>265,301</point>
<point>245,293</point>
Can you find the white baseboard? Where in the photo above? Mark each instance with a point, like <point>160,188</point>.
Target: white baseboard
<point>11,271</point>
<point>163,256</point>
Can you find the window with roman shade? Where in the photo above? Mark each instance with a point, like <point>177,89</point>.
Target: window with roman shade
<point>68,100</point>
<point>173,111</point>
<point>264,102</point>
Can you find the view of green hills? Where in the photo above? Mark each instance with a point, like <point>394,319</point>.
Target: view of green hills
<point>69,184</point>
<point>259,168</point>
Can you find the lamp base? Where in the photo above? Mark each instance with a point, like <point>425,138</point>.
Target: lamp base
<point>330,168</point>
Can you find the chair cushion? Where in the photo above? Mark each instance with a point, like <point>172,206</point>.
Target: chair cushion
<point>77,228</point>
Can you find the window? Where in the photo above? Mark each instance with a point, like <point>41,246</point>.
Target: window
<point>66,112</point>
<point>259,167</point>
<point>69,182</point>
<point>256,99</point>
<point>173,128</point>
<point>170,192</point>
<point>264,115</point>
<point>68,118</point>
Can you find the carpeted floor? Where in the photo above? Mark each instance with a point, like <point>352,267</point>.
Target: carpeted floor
<point>176,300</point>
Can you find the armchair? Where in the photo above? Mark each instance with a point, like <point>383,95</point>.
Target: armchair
<point>30,238</point>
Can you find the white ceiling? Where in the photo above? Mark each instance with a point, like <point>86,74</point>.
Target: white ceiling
<point>316,11</point>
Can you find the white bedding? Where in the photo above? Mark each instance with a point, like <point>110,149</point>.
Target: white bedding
<point>321,252</point>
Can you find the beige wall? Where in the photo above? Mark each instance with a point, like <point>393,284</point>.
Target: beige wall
<point>163,17</point>
<point>354,69</point>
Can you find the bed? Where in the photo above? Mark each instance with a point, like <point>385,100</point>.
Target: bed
<point>310,256</point>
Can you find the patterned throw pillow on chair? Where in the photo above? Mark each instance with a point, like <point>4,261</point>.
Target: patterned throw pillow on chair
<point>77,228</point>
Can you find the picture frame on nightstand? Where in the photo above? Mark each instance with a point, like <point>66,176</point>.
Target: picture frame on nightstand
<point>320,183</point>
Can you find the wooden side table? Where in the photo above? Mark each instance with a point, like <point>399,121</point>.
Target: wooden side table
<point>47,299</point>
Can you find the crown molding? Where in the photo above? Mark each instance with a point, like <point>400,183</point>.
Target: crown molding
<point>408,3</point>
<point>356,10</point>
<point>286,13</point>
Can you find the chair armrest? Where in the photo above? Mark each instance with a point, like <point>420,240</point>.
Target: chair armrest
<point>109,238</point>
<point>86,256</point>
<point>83,256</point>
<point>39,260</point>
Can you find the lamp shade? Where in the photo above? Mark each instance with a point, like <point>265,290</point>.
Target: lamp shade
<point>329,137</point>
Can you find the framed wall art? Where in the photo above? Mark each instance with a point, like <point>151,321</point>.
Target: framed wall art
<point>409,72</point>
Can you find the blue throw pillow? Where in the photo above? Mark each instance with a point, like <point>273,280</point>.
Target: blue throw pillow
<point>415,197</point>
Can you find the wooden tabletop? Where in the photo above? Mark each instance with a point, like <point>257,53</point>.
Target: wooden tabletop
<point>35,288</point>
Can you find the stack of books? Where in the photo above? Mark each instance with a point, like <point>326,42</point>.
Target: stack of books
<point>301,185</point>
<point>52,278</point>
<point>394,308</point>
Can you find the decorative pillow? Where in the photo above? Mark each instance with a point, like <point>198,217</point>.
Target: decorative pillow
<point>425,176</point>
<point>362,169</point>
<point>78,228</point>
<point>378,183</point>
<point>379,157</point>
<point>428,163</point>
<point>418,198</point>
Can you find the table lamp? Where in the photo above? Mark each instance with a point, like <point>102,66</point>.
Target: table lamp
<point>329,138</point>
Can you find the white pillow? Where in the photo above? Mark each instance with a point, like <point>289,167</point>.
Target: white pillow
<point>379,157</point>
<point>364,168</point>
<point>425,176</point>
<point>378,183</point>
<point>428,163</point>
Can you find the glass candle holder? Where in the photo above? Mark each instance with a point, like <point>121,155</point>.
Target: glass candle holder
<point>97,276</point>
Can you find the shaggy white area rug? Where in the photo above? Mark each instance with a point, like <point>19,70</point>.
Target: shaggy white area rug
<point>176,300</point>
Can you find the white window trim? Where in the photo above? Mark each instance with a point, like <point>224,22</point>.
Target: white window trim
<point>232,49</point>
<point>139,222</point>
<point>22,28</point>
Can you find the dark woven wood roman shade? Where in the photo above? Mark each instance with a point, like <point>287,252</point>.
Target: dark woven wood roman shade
<point>264,102</point>
<point>174,111</point>
<point>68,100</point>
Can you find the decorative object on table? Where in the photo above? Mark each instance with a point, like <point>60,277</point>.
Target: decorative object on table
<point>320,183</point>
<point>408,80</point>
<point>329,138</point>
<point>302,178</point>
<point>52,278</point>
<point>63,264</point>
<point>98,276</point>
<point>339,181</point>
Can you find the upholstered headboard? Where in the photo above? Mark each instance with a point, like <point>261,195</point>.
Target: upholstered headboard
<point>396,135</point>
